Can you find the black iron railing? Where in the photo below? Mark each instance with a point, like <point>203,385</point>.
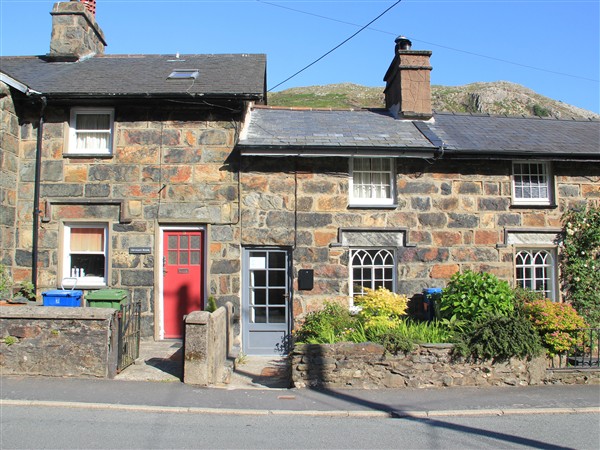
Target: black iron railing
<point>129,334</point>
<point>584,353</point>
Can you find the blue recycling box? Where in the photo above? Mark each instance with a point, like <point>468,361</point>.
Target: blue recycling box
<point>430,298</point>
<point>62,297</point>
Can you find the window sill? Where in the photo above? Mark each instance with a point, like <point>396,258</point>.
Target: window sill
<point>362,206</point>
<point>533,206</point>
<point>88,155</point>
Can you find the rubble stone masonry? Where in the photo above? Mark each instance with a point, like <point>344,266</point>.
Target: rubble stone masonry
<point>179,166</point>
<point>454,213</point>
<point>167,167</point>
<point>9,166</point>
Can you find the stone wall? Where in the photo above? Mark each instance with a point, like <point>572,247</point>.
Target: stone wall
<point>208,344</point>
<point>9,166</point>
<point>454,215</point>
<point>169,166</point>
<point>58,342</point>
<point>75,32</point>
<point>366,366</point>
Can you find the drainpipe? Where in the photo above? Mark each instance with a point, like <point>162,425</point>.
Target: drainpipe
<point>36,196</point>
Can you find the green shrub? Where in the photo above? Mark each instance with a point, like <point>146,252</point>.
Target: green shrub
<point>470,296</point>
<point>5,282</point>
<point>212,304</point>
<point>333,323</point>
<point>556,324</point>
<point>395,343</point>
<point>524,296</point>
<point>380,307</point>
<point>500,338</point>
<point>540,111</point>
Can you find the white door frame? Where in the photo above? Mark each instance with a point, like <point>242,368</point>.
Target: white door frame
<point>159,310</point>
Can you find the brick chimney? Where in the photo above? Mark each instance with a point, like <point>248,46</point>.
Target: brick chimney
<point>90,5</point>
<point>75,33</point>
<point>408,86</point>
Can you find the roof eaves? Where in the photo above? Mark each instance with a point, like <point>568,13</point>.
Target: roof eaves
<point>454,153</point>
<point>16,84</point>
<point>336,151</point>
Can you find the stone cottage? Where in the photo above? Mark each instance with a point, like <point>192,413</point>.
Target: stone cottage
<point>118,169</point>
<point>170,177</point>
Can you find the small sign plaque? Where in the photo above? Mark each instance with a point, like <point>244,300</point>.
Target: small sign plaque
<point>140,250</point>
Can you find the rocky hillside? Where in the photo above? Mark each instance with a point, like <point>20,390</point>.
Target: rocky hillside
<point>499,97</point>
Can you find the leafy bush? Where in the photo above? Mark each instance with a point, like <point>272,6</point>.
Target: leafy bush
<point>540,111</point>
<point>555,323</point>
<point>381,307</point>
<point>470,296</point>
<point>5,282</point>
<point>333,323</point>
<point>580,262</point>
<point>212,304</point>
<point>524,296</point>
<point>500,338</point>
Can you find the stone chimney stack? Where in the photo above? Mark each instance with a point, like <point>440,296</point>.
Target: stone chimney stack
<point>408,86</point>
<point>75,33</point>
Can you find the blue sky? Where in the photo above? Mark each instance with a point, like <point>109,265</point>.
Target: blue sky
<point>552,47</point>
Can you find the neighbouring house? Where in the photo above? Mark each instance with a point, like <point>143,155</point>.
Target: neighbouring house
<point>118,169</point>
<point>170,177</point>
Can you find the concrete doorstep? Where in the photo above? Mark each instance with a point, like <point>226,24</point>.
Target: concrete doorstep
<point>162,361</point>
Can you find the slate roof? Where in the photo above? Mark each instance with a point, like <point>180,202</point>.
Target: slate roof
<point>500,135</point>
<point>338,131</point>
<point>276,131</point>
<point>141,75</point>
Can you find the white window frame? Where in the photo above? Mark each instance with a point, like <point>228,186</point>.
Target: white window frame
<point>528,180</point>
<point>69,279</point>
<point>373,201</point>
<point>368,255</point>
<point>539,259</point>
<point>72,144</point>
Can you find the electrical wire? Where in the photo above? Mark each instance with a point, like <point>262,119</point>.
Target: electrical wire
<point>425,42</point>
<point>333,49</point>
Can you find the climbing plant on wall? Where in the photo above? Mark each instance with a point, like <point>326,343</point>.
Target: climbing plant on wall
<point>580,262</point>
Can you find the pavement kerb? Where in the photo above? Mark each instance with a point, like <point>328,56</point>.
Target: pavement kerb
<point>316,413</point>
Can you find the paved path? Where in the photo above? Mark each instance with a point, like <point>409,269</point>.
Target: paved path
<point>163,361</point>
<point>259,386</point>
<point>176,396</point>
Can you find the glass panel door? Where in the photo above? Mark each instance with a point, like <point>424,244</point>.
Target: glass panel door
<point>266,301</point>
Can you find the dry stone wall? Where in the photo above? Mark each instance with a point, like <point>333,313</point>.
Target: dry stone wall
<point>58,342</point>
<point>367,366</point>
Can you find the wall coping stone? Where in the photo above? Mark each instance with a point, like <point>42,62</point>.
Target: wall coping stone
<point>55,312</point>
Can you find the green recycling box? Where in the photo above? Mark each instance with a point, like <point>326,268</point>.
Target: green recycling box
<point>107,298</point>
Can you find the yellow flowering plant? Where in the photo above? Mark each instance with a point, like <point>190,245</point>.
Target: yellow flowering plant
<point>380,305</point>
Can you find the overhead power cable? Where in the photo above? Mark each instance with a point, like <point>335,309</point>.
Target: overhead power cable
<point>428,43</point>
<point>334,48</point>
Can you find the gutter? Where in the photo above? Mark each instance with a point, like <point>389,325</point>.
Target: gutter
<point>18,85</point>
<point>512,154</point>
<point>315,151</point>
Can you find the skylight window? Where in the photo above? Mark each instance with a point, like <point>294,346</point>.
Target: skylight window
<point>183,74</point>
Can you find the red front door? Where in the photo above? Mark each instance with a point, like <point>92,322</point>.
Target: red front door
<point>183,285</point>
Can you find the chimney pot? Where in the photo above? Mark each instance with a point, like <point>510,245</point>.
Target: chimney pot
<point>403,43</point>
<point>90,5</point>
